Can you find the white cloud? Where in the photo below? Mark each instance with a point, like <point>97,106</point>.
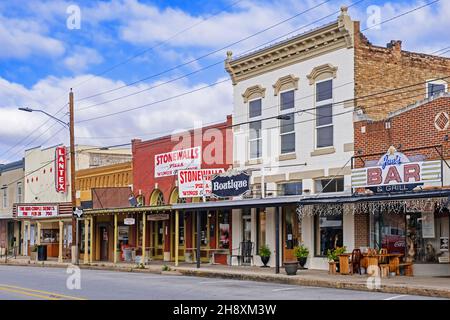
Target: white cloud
<point>82,58</point>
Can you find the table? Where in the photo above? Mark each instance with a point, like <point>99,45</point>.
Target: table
<point>373,260</point>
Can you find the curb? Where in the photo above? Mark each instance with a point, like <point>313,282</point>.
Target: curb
<point>282,279</point>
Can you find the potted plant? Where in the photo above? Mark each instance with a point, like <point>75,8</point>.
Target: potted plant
<point>264,253</point>
<point>333,255</point>
<point>301,252</point>
<point>291,267</point>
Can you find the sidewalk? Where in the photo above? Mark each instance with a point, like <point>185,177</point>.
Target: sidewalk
<point>417,285</point>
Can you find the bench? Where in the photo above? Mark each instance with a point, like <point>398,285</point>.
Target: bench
<point>408,266</point>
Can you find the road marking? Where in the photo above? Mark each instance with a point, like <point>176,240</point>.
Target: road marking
<point>395,297</point>
<point>37,293</point>
<point>283,289</point>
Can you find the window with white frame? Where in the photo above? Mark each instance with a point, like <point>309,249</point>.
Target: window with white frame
<point>324,114</point>
<point>329,185</point>
<point>255,137</point>
<point>435,87</point>
<point>19,192</point>
<point>5,196</point>
<point>287,120</point>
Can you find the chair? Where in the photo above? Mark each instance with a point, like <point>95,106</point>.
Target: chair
<point>245,253</point>
<point>383,263</point>
<point>355,262</point>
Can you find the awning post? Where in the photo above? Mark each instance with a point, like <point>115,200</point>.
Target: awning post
<point>115,239</point>
<point>86,241</point>
<point>61,237</point>
<point>198,239</point>
<point>91,247</point>
<point>177,235</point>
<point>277,240</point>
<point>144,235</point>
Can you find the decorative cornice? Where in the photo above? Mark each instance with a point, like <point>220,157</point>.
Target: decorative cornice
<point>325,69</point>
<point>285,83</point>
<point>254,92</point>
<point>328,38</point>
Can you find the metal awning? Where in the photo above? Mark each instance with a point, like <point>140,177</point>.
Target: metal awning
<point>56,218</point>
<point>242,203</point>
<point>107,211</point>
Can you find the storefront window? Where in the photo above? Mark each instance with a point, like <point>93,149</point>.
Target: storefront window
<point>388,231</point>
<point>181,229</point>
<point>246,225</point>
<point>261,219</point>
<point>329,232</point>
<point>224,229</point>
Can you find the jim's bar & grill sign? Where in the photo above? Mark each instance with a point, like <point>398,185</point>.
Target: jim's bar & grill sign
<point>61,169</point>
<point>395,172</point>
<point>37,211</point>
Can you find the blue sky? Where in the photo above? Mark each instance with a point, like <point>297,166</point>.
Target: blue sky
<point>41,58</point>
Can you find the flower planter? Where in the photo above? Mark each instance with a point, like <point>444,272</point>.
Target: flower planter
<point>302,262</point>
<point>291,268</point>
<point>265,260</point>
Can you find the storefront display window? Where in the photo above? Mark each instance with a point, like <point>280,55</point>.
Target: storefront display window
<point>329,232</point>
<point>224,230</point>
<point>49,235</point>
<point>261,218</point>
<point>388,231</point>
<point>246,225</point>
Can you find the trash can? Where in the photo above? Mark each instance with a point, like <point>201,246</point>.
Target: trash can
<point>42,252</point>
<point>127,253</point>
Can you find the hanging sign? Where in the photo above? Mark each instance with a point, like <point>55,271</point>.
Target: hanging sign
<point>37,211</point>
<point>168,164</point>
<point>158,216</point>
<point>61,169</point>
<point>394,172</point>
<point>196,183</point>
<point>128,221</point>
<point>230,184</point>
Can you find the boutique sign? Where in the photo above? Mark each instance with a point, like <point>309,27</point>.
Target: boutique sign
<point>230,184</point>
<point>168,164</point>
<point>395,172</point>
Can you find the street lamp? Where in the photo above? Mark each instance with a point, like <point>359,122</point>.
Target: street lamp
<point>70,125</point>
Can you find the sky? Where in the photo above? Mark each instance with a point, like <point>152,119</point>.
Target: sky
<point>104,53</point>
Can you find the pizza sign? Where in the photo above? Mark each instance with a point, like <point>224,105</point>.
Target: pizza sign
<point>61,169</point>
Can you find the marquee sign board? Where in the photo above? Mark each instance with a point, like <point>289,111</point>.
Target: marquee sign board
<point>230,184</point>
<point>37,211</point>
<point>168,164</point>
<point>60,169</point>
<point>394,172</point>
<point>196,183</point>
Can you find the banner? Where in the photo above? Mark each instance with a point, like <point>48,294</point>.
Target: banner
<point>168,164</point>
<point>37,211</point>
<point>60,169</point>
<point>196,183</point>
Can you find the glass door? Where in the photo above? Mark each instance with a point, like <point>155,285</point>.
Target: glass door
<point>158,240</point>
<point>290,233</point>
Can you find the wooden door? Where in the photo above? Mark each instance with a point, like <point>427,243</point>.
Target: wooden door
<point>290,233</point>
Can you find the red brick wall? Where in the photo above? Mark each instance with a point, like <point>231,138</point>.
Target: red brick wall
<point>412,129</point>
<point>361,230</point>
<point>378,69</point>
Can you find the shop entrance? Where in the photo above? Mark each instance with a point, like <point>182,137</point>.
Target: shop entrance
<point>104,243</point>
<point>158,238</point>
<point>181,235</point>
<point>204,233</point>
<point>290,233</point>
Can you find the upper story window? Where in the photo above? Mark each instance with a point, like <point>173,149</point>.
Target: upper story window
<point>255,108</point>
<point>255,140</point>
<point>435,87</point>
<point>291,188</point>
<point>324,114</point>
<point>329,185</point>
<point>5,196</point>
<point>19,192</point>
<point>287,100</point>
<point>287,133</point>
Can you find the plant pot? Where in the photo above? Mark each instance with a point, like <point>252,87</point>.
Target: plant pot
<point>291,268</point>
<point>265,260</point>
<point>302,261</point>
<point>337,266</point>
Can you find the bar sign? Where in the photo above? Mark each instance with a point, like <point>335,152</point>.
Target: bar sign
<point>61,169</point>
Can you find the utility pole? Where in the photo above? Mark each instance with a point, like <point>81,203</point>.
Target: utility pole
<point>72,181</point>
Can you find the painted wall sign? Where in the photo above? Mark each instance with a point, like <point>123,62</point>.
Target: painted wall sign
<point>230,184</point>
<point>158,217</point>
<point>168,164</point>
<point>394,172</point>
<point>37,211</point>
<point>129,221</point>
<point>196,183</point>
<point>61,169</point>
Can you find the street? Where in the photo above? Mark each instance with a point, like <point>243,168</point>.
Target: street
<point>18,282</point>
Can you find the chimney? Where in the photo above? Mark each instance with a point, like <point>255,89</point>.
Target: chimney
<point>396,47</point>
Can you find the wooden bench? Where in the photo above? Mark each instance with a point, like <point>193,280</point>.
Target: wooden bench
<point>408,266</point>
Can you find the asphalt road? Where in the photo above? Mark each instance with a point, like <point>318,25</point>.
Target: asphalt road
<point>51,283</point>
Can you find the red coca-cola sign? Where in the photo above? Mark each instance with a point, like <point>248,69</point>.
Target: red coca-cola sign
<point>61,169</point>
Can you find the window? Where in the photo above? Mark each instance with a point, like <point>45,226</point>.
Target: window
<point>181,229</point>
<point>261,225</point>
<point>328,232</point>
<point>5,196</point>
<point>436,87</point>
<point>255,140</point>
<point>19,192</point>
<point>255,108</point>
<point>224,229</point>
<point>287,134</point>
<point>287,100</point>
<point>291,188</point>
<point>388,231</point>
<point>329,185</point>
<point>324,114</point>
<point>246,225</point>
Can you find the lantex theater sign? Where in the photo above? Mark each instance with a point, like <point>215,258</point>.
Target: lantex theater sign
<point>395,172</point>
<point>61,169</point>
<point>168,164</point>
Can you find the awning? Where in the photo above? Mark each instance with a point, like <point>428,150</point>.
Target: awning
<point>110,211</point>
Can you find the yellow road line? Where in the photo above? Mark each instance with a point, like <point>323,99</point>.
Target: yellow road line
<point>41,293</point>
<point>26,293</point>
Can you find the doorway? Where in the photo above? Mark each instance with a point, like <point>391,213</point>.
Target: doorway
<point>158,238</point>
<point>104,243</point>
<point>181,235</point>
<point>290,233</point>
